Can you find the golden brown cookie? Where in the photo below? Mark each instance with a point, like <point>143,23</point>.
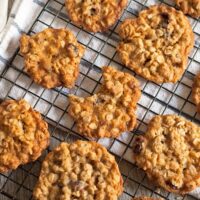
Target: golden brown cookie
<point>23,134</point>
<point>80,170</point>
<point>52,57</point>
<point>156,44</point>
<point>146,198</point>
<point>191,7</point>
<point>196,92</point>
<point>112,110</point>
<point>169,153</point>
<point>95,15</point>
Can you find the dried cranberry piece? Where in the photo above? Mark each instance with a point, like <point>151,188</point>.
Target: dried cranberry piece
<point>165,20</point>
<point>77,185</point>
<point>73,50</point>
<point>169,183</point>
<point>138,145</point>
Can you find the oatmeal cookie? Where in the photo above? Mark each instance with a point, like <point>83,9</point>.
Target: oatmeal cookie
<point>52,57</point>
<point>169,153</point>
<point>23,134</point>
<point>80,170</point>
<point>196,92</point>
<point>95,15</point>
<point>191,7</point>
<point>156,45</point>
<point>112,110</point>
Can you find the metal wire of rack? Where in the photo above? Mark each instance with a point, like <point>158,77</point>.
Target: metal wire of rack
<point>53,104</point>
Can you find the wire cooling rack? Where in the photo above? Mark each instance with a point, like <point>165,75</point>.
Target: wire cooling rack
<point>53,104</point>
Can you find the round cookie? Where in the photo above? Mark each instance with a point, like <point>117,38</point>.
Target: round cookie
<point>169,153</point>
<point>80,170</point>
<point>23,134</point>
<point>156,45</point>
<point>95,15</point>
<point>146,198</point>
<point>196,92</point>
<point>52,57</point>
<point>112,110</point>
<point>191,7</point>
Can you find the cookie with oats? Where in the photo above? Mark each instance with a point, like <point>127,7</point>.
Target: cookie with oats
<point>191,7</point>
<point>23,134</point>
<point>95,15</point>
<point>80,170</point>
<point>196,92</point>
<point>169,152</point>
<point>111,111</point>
<point>156,45</point>
<point>52,57</point>
<point>146,198</point>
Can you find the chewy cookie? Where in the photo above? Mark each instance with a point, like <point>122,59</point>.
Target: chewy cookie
<point>169,153</point>
<point>156,44</point>
<point>146,198</point>
<point>196,92</point>
<point>23,134</point>
<point>112,110</point>
<point>52,57</point>
<point>80,170</point>
<point>95,15</point>
<point>191,7</point>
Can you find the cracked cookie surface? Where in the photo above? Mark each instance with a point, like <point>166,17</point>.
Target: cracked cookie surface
<point>191,7</point>
<point>196,92</point>
<point>23,134</point>
<point>156,45</point>
<point>111,111</point>
<point>80,170</point>
<point>95,15</point>
<point>52,57</point>
<point>169,152</point>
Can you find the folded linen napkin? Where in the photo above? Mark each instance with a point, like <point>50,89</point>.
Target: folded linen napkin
<point>21,17</point>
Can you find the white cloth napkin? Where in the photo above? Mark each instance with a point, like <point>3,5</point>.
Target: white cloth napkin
<point>22,15</point>
<point>3,13</point>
